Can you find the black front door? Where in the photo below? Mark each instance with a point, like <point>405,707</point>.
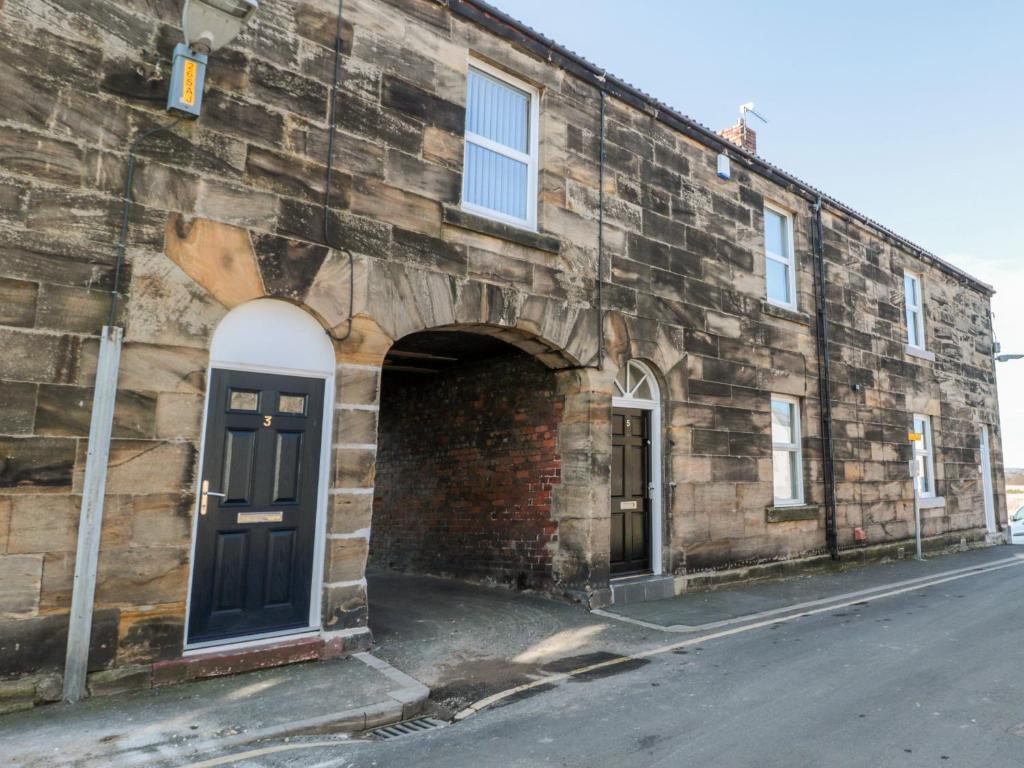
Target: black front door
<point>631,507</point>
<point>256,532</point>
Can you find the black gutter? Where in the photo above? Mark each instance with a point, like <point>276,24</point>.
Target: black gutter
<point>503,25</point>
<point>824,381</point>
<point>600,244</point>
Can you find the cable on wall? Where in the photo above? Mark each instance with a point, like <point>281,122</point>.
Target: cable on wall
<point>329,173</point>
<point>127,197</point>
<point>600,244</point>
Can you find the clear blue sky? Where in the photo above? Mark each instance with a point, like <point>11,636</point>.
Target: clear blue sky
<point>911,112</point>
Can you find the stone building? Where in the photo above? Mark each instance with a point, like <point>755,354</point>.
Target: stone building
<point>537,334</point>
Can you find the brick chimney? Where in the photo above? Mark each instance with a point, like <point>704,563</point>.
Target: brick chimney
<point>742,135</point>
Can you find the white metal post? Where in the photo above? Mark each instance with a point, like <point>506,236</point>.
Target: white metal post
<point>76,661</point>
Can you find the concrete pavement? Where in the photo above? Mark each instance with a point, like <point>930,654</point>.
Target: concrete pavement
<point>698,611</point>
<point>467,641</point>
<point>549,683</point>
<point>920,675</point>
<point>166,725</point>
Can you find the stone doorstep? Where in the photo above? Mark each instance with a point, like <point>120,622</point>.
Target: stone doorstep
<point>696,582</point>
<point>640,589</point>
<point>275,654</point>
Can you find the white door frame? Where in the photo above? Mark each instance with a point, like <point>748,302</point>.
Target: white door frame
<point>986,480</point>
<point>226,344</point>
<point>653,406</point>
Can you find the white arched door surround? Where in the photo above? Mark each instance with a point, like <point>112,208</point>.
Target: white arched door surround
<point>273,337</point>
<point>637,387</point>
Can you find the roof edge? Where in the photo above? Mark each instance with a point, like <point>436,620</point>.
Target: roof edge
<point>499,22</point>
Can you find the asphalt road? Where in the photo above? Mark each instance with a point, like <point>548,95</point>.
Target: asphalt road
<point>931,677</point>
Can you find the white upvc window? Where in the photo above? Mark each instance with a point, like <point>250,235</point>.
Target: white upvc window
<point>787,462</point>
<point>924,457</point>
<point>914,300</point>
<point>499,174</point>
<point>780,258</point>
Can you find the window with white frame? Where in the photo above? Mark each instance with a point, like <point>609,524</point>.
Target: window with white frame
<point>787,463</point>
<point>499,176</point>
<point>924,457</point>
<point>915,309</point>
<point>780,260</point>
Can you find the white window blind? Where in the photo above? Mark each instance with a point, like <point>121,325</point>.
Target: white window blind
<point>500,174</point>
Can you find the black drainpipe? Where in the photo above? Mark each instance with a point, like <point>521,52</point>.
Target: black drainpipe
<point>825,383</point>
<point>600,244</point>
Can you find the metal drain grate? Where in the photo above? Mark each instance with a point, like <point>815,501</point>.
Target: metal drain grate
<point>407,728</point>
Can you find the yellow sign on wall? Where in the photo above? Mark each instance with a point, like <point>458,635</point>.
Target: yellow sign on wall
<point>915,437</point>
<point>188,83</point>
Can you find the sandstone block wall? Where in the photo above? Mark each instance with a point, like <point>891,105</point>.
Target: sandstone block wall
<point>228,211</point>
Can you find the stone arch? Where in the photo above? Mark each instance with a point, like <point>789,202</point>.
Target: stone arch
<point>402,300</point>
<point>634,338</point>
<point>388,300</point>
<point>579,500</point>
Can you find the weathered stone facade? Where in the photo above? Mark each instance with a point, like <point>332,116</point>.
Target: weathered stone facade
<point>228,211</point>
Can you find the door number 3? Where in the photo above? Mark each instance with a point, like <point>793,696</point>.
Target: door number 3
<point>267,421</point>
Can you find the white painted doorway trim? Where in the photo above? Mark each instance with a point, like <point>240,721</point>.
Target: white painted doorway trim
<point>272,336</point>
<point>986,480</point>
<point>653,406</point>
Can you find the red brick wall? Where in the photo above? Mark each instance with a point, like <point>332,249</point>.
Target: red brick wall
<point>466,462</point>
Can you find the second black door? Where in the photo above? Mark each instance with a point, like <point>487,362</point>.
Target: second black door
<point>631,506</point>
<point>257,528</point>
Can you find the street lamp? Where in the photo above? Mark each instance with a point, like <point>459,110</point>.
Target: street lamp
<point>211,24</point>
<point>1007,356</point>
<point>206,26</point>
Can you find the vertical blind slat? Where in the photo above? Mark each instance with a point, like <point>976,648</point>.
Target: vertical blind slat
<point>500,113</point>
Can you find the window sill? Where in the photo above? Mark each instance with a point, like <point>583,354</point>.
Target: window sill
<point>924,354</point>
<point>784,313</point>
<point>787,514</point>
<point>931,502</point>
<point>456,217</point>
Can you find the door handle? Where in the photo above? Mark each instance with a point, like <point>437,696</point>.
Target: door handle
<point>205,495</point>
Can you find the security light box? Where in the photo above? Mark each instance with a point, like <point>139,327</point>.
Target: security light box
<point>187,74</point>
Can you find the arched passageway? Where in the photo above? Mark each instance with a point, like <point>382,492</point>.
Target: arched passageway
<point>468,461</point>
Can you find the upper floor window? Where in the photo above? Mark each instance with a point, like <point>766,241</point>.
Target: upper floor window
<point>914,309</point>
<point>499,177</point>
<point>780,260</point>
<point>924,457</point>
<point>787,461</point>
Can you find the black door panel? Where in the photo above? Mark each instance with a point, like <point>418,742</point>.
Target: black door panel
<point>631,507</point>
<point>254,546</point>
